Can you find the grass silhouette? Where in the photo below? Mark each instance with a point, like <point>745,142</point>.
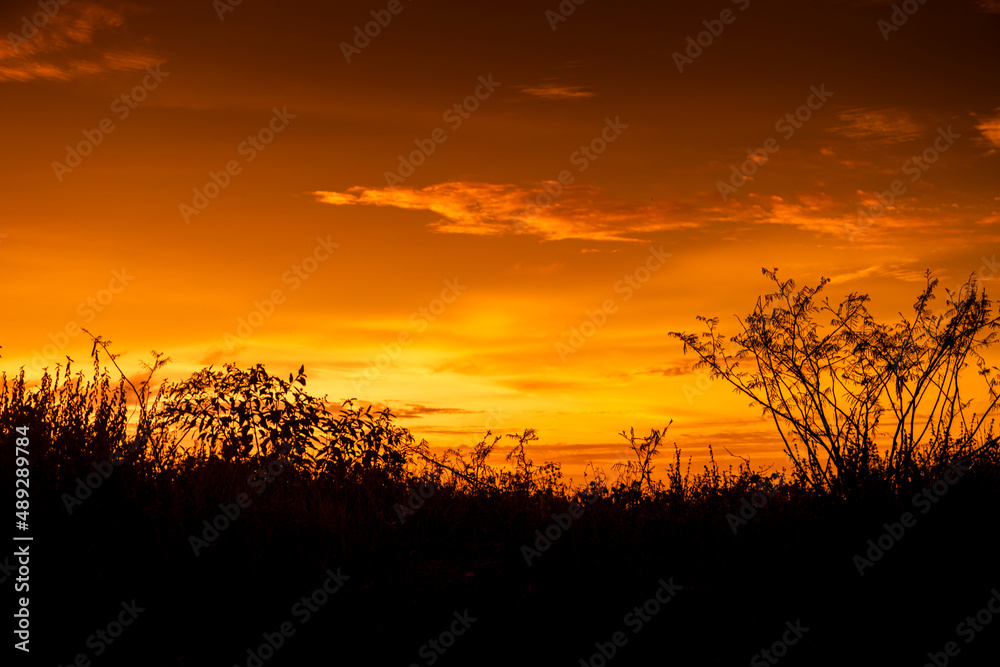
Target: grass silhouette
<point>125,486</point>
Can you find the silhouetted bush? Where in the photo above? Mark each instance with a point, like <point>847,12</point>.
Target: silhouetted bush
<point>830,390</point>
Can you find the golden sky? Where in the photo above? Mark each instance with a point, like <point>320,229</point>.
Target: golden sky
<point>423,216</point>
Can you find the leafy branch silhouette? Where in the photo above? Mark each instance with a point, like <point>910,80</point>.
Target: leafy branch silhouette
<point>838,393</point>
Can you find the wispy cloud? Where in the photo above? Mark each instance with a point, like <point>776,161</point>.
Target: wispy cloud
<point>537,270</point>
<point>580,212</point>
<point>554,91</point>
<point>671,369</point>
<point>80,39</point>
<point>990,128</point>
<point>531,385</point>
<point>821,213</point>
<point>416,411</point>
<point>892,125</point>
<point>881,270</point>
<point>816,212</point>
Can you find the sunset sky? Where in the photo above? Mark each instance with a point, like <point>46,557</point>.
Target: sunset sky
<point>460,192</point>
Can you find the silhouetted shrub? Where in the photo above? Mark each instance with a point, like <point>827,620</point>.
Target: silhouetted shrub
<point>829,391</point>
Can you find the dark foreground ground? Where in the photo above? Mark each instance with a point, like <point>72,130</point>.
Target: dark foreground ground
<point>172,557</point>
<point>399,586</point>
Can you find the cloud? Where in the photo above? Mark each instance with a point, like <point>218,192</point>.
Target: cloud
<point>813,212</point>
<point>822,213</point>
<point>990,128</point>
<point>881,270</point>
<point>855,275</point>
<point>819,212</point>
<point>878,125</point>
<point>672,369</point>
<point>535,385</point>
<point>536,270</point>
<point>553,91</point>
<point>991,6</point>
<point>79,39</point>
<point>416,411</point>
<point>576,212</point>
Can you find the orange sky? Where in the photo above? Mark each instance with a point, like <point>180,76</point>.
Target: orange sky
<point>168,174</point>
